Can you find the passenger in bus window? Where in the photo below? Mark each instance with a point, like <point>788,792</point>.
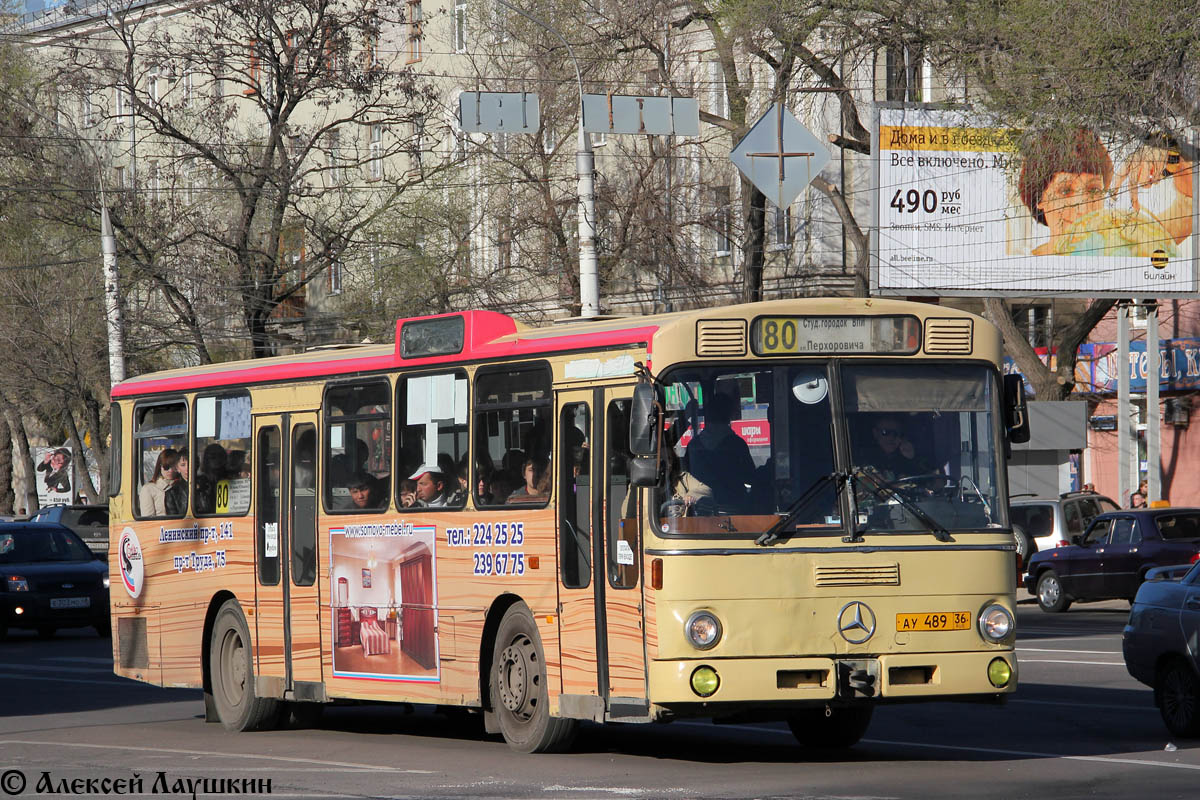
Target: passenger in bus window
<point>718,457</point>
<point>484,472</point>
<point>431,486</point>
<point>364,493</point>
<point>238,468</point>
<point>152,497</point>
<point>177,494</point>
<point>212,469</point>
<point>890,453</point>
<point>408,493</point>
<point>536,486</point>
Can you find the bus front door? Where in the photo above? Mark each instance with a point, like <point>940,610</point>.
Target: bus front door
<point>287,603</point>
<point>601,631</point>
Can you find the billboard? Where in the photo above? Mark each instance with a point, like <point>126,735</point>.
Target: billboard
<point>968,208</point>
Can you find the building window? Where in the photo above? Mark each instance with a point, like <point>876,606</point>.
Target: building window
<point>152,86</point>
<point>415,22</point>
<point>121,178</point>
<point>335,277</point>
<point>780,220</point>
<point>718,90</point>
<point>418,143</point>
<point>721,219</point>
<point>155,185</point>
<point>333,157</point>
<point>186,86</point>
<point>122,101</point>
<point>460,26</point>
<point>375,153</point>
<point>88,113</point>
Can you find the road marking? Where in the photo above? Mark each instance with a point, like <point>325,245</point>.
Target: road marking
<point>57,668</point>
<point>177,751</point>
<point>1070,661</point>
<point>996,750</point>
<point>23,677</point>
<point>1149,708</point>
<point>1080,652</point>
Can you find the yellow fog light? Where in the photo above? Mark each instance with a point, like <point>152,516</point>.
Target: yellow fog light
<point>999,673</point>
<point>705,681</point>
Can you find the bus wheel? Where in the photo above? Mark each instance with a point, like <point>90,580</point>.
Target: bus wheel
<point>233,674</point>
<point>831,726</point>
<point>518,688</point>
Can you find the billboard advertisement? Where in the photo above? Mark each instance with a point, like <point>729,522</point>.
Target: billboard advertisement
<point>969,208</point>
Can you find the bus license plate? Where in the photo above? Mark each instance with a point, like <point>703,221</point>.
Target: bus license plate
<point>70,602</point>
<point>934,621</point>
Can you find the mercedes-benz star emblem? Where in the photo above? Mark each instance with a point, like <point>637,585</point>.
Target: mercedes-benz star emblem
<point>856,622</point>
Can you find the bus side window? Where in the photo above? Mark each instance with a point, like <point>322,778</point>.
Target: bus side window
<point>160,432</point>
<point>575,493</point>
<point>221,466</point>
<point>431,425</point>
<point>358,446</point>
<point>620,502</point>
<point>513,436</point>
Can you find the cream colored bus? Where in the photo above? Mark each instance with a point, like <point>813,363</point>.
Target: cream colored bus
<point>793,510</point>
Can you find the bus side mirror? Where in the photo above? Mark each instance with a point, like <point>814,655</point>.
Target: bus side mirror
<point>1016,413</point>
<point>644,429</point>
<point>643,422</point>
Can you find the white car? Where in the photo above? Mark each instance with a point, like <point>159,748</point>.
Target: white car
<point>1053,521</point>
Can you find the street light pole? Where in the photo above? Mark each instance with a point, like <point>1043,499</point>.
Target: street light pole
<point>108,250</point>
<point>585,167</point>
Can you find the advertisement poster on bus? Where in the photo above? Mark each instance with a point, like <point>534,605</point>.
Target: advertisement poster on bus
<point>55,478</point>
<point>969,207</point>
<point>384,596</point>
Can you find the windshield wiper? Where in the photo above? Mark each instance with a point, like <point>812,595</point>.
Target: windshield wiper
<point>772,534</point>
<point>879,488</point>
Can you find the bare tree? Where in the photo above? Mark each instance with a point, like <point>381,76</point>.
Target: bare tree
<point>262,136</point>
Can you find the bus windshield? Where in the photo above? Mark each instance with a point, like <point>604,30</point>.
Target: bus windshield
<point>748,447</point>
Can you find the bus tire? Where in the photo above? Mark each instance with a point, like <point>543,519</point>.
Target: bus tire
<point>1051,596</point>
<point>831,727</point>
<point>517,684</point>
<point>232,672</point>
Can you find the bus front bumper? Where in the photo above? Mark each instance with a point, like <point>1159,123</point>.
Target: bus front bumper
<point>880,677</point>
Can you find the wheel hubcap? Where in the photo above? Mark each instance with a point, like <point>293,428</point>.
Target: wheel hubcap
<point>516,678</point>
<point>233,665</point>
<point>1178,700</point>
<point>1050,591</point>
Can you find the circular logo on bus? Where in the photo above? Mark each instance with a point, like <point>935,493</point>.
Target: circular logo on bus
<point>133,572</point>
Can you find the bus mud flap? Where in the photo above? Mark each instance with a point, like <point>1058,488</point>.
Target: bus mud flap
<point>858,678</point>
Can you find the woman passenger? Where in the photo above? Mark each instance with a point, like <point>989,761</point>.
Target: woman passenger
<point>152,497</point>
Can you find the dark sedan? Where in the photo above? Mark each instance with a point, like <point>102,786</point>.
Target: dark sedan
<point>1111,558</point>
<point>49,579</point>
<point>1164,624</point>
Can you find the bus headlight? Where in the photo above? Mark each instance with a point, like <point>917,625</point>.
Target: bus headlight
<point>703,630</point>
<point>995,623</point>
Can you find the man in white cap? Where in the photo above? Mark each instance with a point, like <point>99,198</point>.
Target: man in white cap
<point>431,486</point>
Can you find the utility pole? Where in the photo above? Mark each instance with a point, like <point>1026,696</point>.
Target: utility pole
<point>585,167</point>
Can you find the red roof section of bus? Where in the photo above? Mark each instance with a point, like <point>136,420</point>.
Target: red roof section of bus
<point>487,335</point>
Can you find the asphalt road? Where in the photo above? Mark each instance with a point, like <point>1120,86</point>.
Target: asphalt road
<point>1079,726</point>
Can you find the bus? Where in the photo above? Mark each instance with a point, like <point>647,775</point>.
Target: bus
<point>793,510</point>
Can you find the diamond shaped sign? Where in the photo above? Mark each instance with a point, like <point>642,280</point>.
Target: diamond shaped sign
<point>780,156</point>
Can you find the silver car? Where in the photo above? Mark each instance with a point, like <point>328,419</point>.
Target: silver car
<point>1051,522</point>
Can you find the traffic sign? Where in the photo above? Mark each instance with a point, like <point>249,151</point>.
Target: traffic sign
<point>498,112</point>
<point>780,156</point>
<point>663,116</point>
